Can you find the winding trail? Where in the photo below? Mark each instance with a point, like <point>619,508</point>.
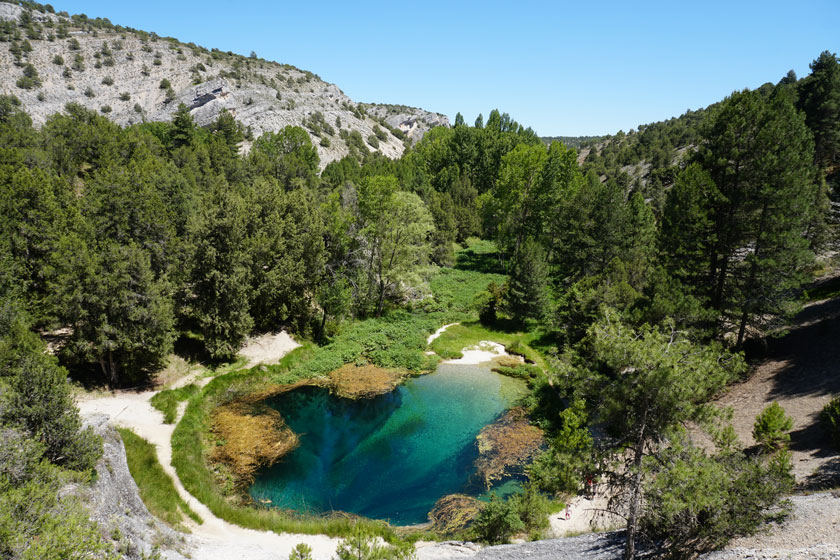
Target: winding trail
<point>215,539</point>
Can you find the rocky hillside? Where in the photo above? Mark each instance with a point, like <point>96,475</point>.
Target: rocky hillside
<point>50,59</point>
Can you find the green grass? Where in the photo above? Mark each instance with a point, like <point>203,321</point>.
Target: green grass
<point>457,337</point>
<point>156,487</point>
<point>167,401</point>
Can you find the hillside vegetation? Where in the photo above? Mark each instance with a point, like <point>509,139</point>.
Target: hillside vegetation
<point>132,76</point>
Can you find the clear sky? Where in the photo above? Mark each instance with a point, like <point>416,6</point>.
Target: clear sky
<point>563,68</point>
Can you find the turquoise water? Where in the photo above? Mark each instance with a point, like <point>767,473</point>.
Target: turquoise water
<point>391,457</point>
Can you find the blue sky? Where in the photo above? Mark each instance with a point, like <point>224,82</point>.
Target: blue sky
<point>563,68</point>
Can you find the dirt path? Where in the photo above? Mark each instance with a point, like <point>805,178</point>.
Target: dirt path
<point>215,539</point>
<point>586,515</point>
<point>802,373</point>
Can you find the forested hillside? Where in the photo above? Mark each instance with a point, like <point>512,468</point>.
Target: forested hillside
<point>641,275</point>
<point>648,158</point>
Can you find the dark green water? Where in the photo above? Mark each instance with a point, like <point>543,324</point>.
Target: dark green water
<point>391,457</point>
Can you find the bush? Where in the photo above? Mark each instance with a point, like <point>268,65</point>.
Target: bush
<point>498,521</point>
<point>30,78</point>
<point>58,60</point>
<point>301,551</point>
<point>105,109</point>
<point>830,420</point>
<point>698,503</point>
<point>164,84</point>
<point>79,63</point>
<point>771,427</point>
<point>363,545</point>
<point>108,81</point>
<point>89,92</point>
<point>125,96</point>
<point>373,141</point>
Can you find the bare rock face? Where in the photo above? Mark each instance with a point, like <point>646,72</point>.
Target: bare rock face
<point>115,504</point>
<point>124,73</point>
<point>413,122</point>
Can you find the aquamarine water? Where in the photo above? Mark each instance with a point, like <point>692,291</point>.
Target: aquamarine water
<point>391,457</point>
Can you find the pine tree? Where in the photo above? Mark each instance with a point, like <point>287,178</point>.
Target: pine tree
<point>820,100</point>
<point>527,292</point>
<point>759,155</point>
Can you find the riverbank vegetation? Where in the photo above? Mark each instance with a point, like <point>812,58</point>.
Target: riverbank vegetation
<point>633,298</point>
<point>156,488</point>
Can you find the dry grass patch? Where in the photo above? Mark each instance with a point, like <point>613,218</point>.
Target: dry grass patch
<point>250,436</point>
<point>363,382</point>
<point>506,446</point>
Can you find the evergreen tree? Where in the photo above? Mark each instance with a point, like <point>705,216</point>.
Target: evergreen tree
<point>819,98</point>
<point>220,274</point>
<point>183,127</point>
<point>121,315</point>
<point>647,384</point>
<point>759,155</point>
<point>527,296</point>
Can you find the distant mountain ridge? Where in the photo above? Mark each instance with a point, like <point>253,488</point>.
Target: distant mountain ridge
<point>133,76</point>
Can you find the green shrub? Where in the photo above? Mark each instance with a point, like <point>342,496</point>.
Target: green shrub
<point>771,427</point>
<point>108,81</point>
<point>58,60</point>
<point>105,109</point>
<point>30,78</point>
<point>89,92</point>
<point>125,96</point>
<point>830,420</point>
<point>363,545</point>
<point>373,141</point>
<point>301,551</point>
<point>498,521</point>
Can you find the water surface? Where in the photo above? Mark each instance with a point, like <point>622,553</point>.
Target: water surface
<point>391,457</point>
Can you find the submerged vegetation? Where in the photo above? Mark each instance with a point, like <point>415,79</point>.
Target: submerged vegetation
<point>631,286</point>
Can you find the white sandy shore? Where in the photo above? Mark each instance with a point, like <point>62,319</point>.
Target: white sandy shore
<point>485,351</point>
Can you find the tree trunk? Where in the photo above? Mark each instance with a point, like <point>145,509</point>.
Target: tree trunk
<point>323,324</point>
<point>381,297</point>
<point>635,494</point>
<point>113,368</point>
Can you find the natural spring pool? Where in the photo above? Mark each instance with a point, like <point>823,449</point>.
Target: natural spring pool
<point>390,457</point>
